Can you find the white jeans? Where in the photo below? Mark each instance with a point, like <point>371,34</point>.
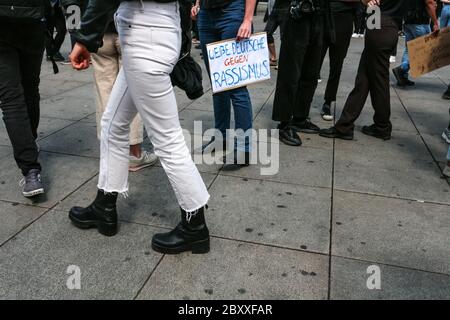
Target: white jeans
<point>150,38</point>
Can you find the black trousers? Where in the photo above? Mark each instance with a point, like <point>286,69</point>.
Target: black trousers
<point>337,51</point>
<point>55,21</point>
<point>277,19</point>
<point>21,51</point>
<point>299,65</point>
<point>373,78</point>
<point>360,20</point>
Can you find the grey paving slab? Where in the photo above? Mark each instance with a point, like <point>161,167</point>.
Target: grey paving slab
<point>383,174</point>
<point>77,139</point>
<point>68,108</point>
<point>15,217</point>
<point>303,166</point>
<point>437,145</point>
<point>151,198</point>
<point>271,213</point>
<point>58,85</point>
<point>398,232</point>
<point>35,264</point>
<point>349,282</point>
<point>234,270</point>
<point>61,175</point>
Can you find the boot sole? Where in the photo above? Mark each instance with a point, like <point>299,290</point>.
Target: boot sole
<point>197,247</point>
<point>384,138</point>
<point>104,228</point>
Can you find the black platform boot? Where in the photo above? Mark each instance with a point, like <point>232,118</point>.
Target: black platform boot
<point>101,214</point>
<point>191,234</point>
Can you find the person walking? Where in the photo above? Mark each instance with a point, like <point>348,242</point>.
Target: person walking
<point>373,76</point>
<point>143,86</point>
<point>277,17</point>
<point>22,41</point>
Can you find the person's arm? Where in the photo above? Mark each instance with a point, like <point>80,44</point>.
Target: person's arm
<point>89,38</point>
<point>245,31</point>
<point>431,7</point>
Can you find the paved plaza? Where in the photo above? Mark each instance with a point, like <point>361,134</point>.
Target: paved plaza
<point>311,231</point>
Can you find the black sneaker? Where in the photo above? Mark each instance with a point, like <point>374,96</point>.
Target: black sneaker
<point>334,133</point>
<point>237,161</point>
<point>373,131</point>
<point>32,184</point>
<point>289,136</point>
<point>326,112</point>
<point>305,127</point>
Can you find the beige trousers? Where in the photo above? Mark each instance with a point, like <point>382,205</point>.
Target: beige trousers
<point>107,62</point>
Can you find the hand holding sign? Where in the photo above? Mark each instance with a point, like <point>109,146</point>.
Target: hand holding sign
<point>235,64</point>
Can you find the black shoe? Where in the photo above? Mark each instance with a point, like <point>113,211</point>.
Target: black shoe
<point>240,160</point>
<point>333,133</point>
<point>101,214</point>
<point>191,234</point>
<point>326,112</point>
<point>305,127</point>
<point>290,137</point>
<point>373,131</point>
<point>446,94</point>
<point>402,78</point>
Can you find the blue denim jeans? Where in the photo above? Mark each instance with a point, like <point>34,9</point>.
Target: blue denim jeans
<point>412,31</point>
<point>220,24</point>
<point>448,154</point>
<point>445,16</point>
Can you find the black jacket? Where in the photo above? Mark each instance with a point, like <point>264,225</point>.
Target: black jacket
<point>30,10</point>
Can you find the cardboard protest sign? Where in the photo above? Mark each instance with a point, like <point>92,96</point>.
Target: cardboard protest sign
<point>235,64</point>
<point>429,53</point>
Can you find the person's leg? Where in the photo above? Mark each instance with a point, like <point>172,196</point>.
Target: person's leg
<point>14,106</point>
<point>357,97</point>
<point>381,44</point>
<point>209,33</point>
<point>152,92</point>
<point>309,75</point>
<point>292,53</point>
<point>338,53</point>
<point>445,16</point>
<point>228,25</point>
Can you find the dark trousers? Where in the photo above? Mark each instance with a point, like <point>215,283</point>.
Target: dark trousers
<point>55,21</point>
<point>276,19</point>
<point>373,78</point>
<point>337,51</point>
<point>21,51</point>
<point>299,65</point>
<point>360,20</point>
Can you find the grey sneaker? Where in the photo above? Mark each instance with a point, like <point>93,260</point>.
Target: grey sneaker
<point>147,159</point>
<point>446,135</point>
<point>32,184</point>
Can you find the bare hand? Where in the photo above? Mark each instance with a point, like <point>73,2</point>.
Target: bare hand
<point>194,12</point>
<point>80,57</point>
<point>245,31</point>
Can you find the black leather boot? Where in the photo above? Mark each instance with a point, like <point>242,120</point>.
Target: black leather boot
<point>101,214</point>
<point>191,234</point>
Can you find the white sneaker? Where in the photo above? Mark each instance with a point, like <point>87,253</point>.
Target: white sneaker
<point>392,59</point>
<point>355,35</point>
<point>147,159</point>
<point>361,35</point>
